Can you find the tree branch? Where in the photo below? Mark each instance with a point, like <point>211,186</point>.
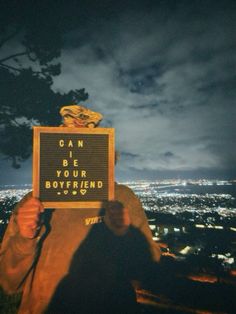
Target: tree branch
<point>10,67</point>
<point>10,36</point>
<point>20,69</point>
<point>19,54</point>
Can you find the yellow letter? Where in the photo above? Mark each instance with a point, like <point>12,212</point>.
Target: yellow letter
<point>66,173</point>
<point>87,221</point>
<point>75,184</point>
<point>70,144</point>
<point>55,184</point>
<point>71,154</point>
<point>92,184</point>
<point>65,163</point>
<point>100,184</point>
<point>83,174</point>
<point>75,162</point>
<point>61,184</point>
<point>75,173</point>
<point>61,143</point>
<point>58,173</point>
<point>47,184</point>
<point>80,143</point>
<point>68,184</point>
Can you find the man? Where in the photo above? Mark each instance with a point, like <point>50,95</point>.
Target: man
<point>64,264</point>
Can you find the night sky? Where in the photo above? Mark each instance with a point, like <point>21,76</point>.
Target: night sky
<point>163,74</point>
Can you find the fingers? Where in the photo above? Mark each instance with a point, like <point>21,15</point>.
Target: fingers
<point>28,232</point>
<point>29,217</point>
<point>32,204</point>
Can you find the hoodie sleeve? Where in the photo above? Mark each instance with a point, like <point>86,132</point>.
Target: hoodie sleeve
<point>17,255</point>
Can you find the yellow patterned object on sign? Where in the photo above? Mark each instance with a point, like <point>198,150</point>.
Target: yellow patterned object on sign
<point>79,116</point>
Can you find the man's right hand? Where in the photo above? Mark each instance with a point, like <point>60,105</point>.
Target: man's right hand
<point>28,217</point>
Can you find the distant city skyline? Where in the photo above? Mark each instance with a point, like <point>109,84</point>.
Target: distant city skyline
<point>23,175</point>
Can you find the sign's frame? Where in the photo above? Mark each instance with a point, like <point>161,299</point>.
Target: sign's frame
<point>67,130</point>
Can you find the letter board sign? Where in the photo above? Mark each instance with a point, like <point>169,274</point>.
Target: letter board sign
<point>73,167</point>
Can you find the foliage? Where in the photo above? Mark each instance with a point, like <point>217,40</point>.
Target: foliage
<point>31,39</point>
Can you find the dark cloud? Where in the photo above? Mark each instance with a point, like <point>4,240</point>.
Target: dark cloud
<point>129,155</point>
<point>168,154</point>
<point>163,74</point>
<point>10,175</point>
<point>147,107</point>
<point>164,79</point>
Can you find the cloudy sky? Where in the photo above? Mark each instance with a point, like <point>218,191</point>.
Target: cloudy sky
<point>164,75</point>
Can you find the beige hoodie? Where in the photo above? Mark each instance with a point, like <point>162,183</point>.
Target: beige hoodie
<point>37,272</point>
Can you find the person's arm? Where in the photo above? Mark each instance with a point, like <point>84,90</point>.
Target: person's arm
<point>139,220</point>
<point>131,238</point>
<point>19,245</point>
<point>132,213</point>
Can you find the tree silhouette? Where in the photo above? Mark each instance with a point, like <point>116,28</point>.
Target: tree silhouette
<point>31,38</point>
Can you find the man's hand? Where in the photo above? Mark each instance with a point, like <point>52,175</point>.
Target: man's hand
<point>117,218</point>
<point>28,217</point>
